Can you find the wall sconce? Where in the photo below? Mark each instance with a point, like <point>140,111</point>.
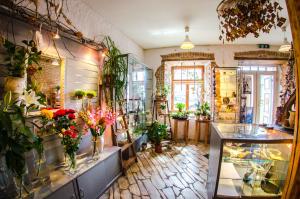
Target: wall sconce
<point>56,35</point>
<point>55,62</point>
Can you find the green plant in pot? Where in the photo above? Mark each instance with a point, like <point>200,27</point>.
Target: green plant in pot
<point>197,113</point>
<point>165,91</point>
<point>205,110</point>
<point>18,58</point>
<point>156,133</point>
<point>180,107</point>
<point>180,114</point>
<point>79,94</point>
<point>91,94</point>
<point>163,107</point>
<point>16,139</point>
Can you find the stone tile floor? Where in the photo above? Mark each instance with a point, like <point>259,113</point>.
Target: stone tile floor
<point>180,172</point>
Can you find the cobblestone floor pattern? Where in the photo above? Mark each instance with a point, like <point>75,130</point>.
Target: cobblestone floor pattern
<point>180,172</point>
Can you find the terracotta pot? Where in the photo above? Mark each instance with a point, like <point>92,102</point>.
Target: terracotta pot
<point>292,119</point>
<point>158,148</point>
<point>14,84</point>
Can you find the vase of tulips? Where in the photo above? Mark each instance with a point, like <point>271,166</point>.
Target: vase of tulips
<point>67,128</point>
<point>96,121</point>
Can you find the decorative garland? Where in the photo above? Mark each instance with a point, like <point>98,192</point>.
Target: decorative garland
<point>238,18</point>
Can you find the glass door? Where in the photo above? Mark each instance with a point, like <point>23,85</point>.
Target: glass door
<point>266,98</point>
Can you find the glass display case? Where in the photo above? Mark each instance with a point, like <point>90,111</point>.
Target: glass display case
<point>247,161</point>
<point>138,95</point>
<point>226,93</point>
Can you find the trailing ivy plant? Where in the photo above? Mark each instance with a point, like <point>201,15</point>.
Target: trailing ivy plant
<point>114,71</point>
<point>18,57</point>
<point>16,138</point>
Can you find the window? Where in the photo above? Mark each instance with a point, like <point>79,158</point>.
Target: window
<point>187,86</point>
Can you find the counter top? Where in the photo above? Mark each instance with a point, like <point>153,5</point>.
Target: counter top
<point>59,178</point>
<point>250,133</point>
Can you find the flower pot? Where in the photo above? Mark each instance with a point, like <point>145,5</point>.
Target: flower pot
<point>14,84</point>
<point>158,148</point>
<point>198,117</point>
<point>292,119</point>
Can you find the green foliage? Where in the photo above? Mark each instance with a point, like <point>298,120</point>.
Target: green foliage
<point>157,132</point>
<point>57,88</point>
<point>15,137</point>
<point>205,109</point>
<point>19,56</point>
<point>114,71</point>
<point>163,106</point>
<point>79,93</point>
<point>197,112</point>
<point>91,93</point>
<point>165,91</point>
<point>180,115</point>
<point>140,129</point>
<point>180,106</point>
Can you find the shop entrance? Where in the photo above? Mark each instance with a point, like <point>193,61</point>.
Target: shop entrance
<point>259,94</point>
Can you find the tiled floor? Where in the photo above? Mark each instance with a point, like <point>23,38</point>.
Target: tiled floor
<point>180,172</point>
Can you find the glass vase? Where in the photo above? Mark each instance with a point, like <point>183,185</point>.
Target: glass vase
<point>72,162</point>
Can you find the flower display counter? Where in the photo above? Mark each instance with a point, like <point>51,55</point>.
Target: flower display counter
<point>90,181</point>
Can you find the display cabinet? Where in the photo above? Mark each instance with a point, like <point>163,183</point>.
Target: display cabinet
<point>247,161</point>
<point>226,92</point>
<point>138,95</point>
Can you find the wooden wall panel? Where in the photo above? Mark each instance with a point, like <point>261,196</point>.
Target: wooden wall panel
<point>79,75</point>
<point>292,188</point>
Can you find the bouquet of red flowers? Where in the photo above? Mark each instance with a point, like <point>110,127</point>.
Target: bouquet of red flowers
<point>66,126</point>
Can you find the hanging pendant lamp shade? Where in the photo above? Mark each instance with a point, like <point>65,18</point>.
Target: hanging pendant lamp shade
<point>286,46</point>
<point>187,43</point>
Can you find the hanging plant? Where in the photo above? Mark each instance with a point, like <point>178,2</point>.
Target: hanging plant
<point>114,72</point>
<point>238,18</point>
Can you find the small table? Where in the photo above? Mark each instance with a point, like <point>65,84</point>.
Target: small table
<point>186,129</point>
<point>198,130</point>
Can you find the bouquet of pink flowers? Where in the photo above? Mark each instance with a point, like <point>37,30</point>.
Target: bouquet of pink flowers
<point>96,120</point>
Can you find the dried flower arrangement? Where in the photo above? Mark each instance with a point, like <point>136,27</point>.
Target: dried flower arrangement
<point>238,18</point>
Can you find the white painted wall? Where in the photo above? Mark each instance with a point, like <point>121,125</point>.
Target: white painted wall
<point>222,52</point>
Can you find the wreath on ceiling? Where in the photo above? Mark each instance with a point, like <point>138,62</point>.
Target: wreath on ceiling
<point>238,18</point>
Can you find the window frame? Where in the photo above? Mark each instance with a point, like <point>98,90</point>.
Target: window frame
<point>187,82</point>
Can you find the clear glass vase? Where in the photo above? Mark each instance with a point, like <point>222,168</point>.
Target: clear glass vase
<point>72,163</point>
<point>97,146</point>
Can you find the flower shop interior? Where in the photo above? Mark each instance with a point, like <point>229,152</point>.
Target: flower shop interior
<point>157,99</point>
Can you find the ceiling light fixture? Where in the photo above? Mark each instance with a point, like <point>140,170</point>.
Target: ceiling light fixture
<point>286,46</point>
<point>187,43</point>
<point>56,35</point>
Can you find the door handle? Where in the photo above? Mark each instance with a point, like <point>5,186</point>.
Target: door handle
<point>81,193</point>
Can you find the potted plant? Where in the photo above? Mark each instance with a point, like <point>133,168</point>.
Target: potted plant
<point>96,121</point>
<point>205,111</point>
<point>157,132</point>
<point>163,93</point>
<point>180,107</point>
<point>16,139</point>
<point>163,107</point>
<point>91,94</point>
<point>180,115</point>
<point>79,94</point>
<point>197,114</point>
<point>17,60</point>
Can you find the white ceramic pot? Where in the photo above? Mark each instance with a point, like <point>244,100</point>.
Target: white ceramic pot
<point>14,84</point>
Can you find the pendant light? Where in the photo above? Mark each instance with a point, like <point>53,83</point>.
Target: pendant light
<point>187,43</point>
<point>286,46</point>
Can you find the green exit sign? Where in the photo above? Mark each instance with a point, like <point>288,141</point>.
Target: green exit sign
<point>263,45</point>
